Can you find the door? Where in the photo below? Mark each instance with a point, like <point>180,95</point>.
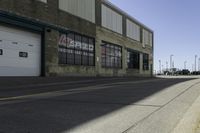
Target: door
<point>20,52</point>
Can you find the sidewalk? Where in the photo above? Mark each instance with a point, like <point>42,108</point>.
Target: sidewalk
<point>190,123</point>
<point>198,128</point>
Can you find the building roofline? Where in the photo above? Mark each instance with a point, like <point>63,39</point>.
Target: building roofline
<point>126,14</point>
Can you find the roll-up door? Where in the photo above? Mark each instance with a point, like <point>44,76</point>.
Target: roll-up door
<point>20,52</point>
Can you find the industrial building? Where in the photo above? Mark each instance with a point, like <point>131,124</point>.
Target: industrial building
<point>72,38</point>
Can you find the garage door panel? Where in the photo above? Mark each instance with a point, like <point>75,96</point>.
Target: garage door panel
<point>12,71</point>
<point>21,52</point>
<point>6,44</point>
<point>19,35</point>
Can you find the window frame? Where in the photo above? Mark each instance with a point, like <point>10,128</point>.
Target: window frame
<point>74,50</point>
<point>133,52</point>
<point>111,59</point>
<point>146,62</point>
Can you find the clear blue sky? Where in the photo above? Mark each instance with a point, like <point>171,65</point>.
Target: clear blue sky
<point>176,26</point>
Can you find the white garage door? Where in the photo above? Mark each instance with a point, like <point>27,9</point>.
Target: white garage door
<point>20,52</point>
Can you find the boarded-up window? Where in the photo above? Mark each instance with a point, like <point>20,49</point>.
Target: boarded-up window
<point>81,8</point>
<point>133,30</point>
<point>111,19</point>
<point>45,1</point>
<point>147,38</point>
<point>151,39</point>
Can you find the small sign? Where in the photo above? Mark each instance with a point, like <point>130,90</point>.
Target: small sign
<point>23,54</point>
<point>1,51</point>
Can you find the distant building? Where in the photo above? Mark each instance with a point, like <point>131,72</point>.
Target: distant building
<point>72,38</point>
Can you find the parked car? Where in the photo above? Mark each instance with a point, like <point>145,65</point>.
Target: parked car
<point>185,72</point>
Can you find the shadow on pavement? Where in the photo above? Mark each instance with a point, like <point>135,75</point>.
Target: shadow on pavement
<point>59,114</point>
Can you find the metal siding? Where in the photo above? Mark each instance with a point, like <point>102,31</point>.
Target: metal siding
<point>14,41</point>
<point>103,19</point>
<point>81,8</point>
<point>133,30</point>
<point>147,38</point>
<point>151,39</point>
<point>45,1</point>
<point>111,19</point>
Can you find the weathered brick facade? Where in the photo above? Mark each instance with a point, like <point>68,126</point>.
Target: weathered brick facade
<point>51,21</point>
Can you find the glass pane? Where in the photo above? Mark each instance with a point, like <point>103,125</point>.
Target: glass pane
<point>62,56</point>
<point>91,45</point>
<point>78,57</point>
<point>77,44</point>
<point>103,50</point>
<point>70,56</point>
<point>70,40</point>
<point>91,59</point>
<point>108,61</point>
<point>85,59</point>
<point>103,60</point>
<point>85,43</point>
<point>112,61</point>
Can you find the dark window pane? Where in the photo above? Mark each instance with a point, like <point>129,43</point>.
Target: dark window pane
<point>145,62</point>
<point>85,44</point>
<point>133,60</point>
<point>75,49</point>
<point>108,61</point>
<point>110,55</point>
<point>91,59</point>
<point>112,61</point>
<point>103,60</point>
<point>70,56</point>
<point>62,56</point>
<point>70,40</point>
<point>85,58</point>
<point>91,45</point>
<point>103,50</point>
<point>78,55</point>
<point>77,43</point>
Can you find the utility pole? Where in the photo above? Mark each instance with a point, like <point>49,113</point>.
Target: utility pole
<point>160,66</point>
<point>195,63</point>
<point>199,65</point>
<point>171,60</point>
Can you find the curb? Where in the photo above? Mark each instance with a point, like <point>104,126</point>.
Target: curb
<point>190,121</point>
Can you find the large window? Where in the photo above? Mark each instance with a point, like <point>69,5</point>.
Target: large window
<point>75,49</point>
<point>111,55</point>
<point>133,59</point>
<point>145,62</point>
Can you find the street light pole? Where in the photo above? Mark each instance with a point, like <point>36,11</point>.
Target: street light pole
<point>195,63</point>
<point>199,65</point>
<point>160,66</point>
<point>171,60</point>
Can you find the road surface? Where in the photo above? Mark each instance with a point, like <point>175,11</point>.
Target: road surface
<point>115,106</point>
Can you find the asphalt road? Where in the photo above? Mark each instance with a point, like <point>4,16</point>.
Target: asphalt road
<point>115,106</point>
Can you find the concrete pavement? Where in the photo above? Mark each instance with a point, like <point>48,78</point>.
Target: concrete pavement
<point>190,121</point>
<point>145,106</point>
